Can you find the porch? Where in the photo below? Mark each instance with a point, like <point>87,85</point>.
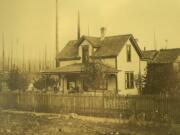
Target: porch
<point>71,79</point>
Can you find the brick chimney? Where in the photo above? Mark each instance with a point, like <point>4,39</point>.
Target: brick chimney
<point>103,32</point>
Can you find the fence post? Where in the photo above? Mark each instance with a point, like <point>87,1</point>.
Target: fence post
<point>18,98</point>
<point>74,104</point>
<point>33,102</point>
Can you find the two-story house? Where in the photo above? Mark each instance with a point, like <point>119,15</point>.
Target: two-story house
<point>120,54</point>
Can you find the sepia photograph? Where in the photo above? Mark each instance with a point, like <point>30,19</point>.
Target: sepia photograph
<point>89,67</point>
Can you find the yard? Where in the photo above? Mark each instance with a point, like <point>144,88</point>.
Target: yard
<point>29,123</point>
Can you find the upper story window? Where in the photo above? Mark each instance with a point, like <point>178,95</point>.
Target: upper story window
<point>128,53</point>
<point>129,80</point>
<point>85,54</point>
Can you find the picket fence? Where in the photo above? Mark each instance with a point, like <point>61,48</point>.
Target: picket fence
<point>107,106</point>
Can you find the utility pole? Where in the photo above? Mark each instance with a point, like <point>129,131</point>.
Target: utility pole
<point>16,62</point>
<point>155,42</point>
<point>39,61</point>
<point>3,54</point>
<point>78,27</point>
<point>45,57</point>
<point>166,41</point>
<point>88,30</point>
<point>57,42</point>
<point>11,56</point>
<point>29,66</point>
<point>23,67</point>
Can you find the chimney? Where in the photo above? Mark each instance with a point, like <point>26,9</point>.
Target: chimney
<point>144,48</point>
<point>103,32</point>
<point>137,40</point>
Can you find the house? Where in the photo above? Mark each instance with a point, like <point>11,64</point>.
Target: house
<point>163,57</point>
<point>121,57</point>
<point>163,72</point>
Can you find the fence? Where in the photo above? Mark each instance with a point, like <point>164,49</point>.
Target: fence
<point>108,106</point>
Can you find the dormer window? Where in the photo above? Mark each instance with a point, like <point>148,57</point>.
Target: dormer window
<point>85,54</point>
<point>128,53</point>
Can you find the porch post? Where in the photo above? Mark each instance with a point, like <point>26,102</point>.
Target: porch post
<point>116,83</point>
<point>64,84</point>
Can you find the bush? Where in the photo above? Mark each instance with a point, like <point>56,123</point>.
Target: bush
<point>161,79</point>
<point>94,77</point>
<point>17,80</point>
<point>44,82</point>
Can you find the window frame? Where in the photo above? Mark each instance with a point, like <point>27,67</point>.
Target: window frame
<point>129,80</point>
<point>84,59</point>
<point>128,53</point>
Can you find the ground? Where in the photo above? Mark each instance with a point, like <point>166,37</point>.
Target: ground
<point>26,123</point>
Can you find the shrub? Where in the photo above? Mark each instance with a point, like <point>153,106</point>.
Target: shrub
<point>44,82</point>
<point>161,79</point>
<point>17,80</point>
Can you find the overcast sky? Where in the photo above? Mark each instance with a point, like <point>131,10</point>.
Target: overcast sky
<point>32,22</point>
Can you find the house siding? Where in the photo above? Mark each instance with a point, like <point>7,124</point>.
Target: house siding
<point>143,67</point>
<point>125,66</point>
<point>111,83</point>
<point>69,62</point>
<point>85,42</point>
<point>109,61</point>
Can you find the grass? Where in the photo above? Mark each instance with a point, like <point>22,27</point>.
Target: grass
<point>15,123</point>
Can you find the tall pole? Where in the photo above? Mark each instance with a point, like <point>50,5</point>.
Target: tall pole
<point>39,61</point>
<point>3,54</point>
<point>23,66</point>
<point>88,30</point>
<point>166,41</point>
<point>11,55</point>
<point>78,26</point>
<point>57,42</point>
<point>155,42</point>
<point>45,57</point>
<point>16,62</point>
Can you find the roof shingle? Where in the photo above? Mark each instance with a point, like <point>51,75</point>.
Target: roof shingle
<point>167,56</point>
<point>69,51</point>
<point>149,54</point>
<point>110,46</point>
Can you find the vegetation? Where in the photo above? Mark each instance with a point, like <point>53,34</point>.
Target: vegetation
<point>161,79</point>
<point>17,80</point>
<point>44,82</point>
<point>94,77</point>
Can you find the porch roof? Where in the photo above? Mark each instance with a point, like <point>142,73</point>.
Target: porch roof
<point>77,68</point>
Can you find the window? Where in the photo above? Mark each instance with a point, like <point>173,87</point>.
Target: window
<point>128,53</point>
<point>129,80</point>
<point>85,54</point>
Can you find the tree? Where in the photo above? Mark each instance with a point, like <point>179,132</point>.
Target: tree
<point>17,80</point>
<point>161,79</point>
<point>94,76</point>
<point>44,82</point>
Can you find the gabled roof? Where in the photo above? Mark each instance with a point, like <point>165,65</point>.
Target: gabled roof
<point>167,56</point>
<point>149,54</point>
<point>110,46</point>
<point>70,51</point>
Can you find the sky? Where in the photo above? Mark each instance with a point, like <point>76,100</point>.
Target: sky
<point>31,23</point>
